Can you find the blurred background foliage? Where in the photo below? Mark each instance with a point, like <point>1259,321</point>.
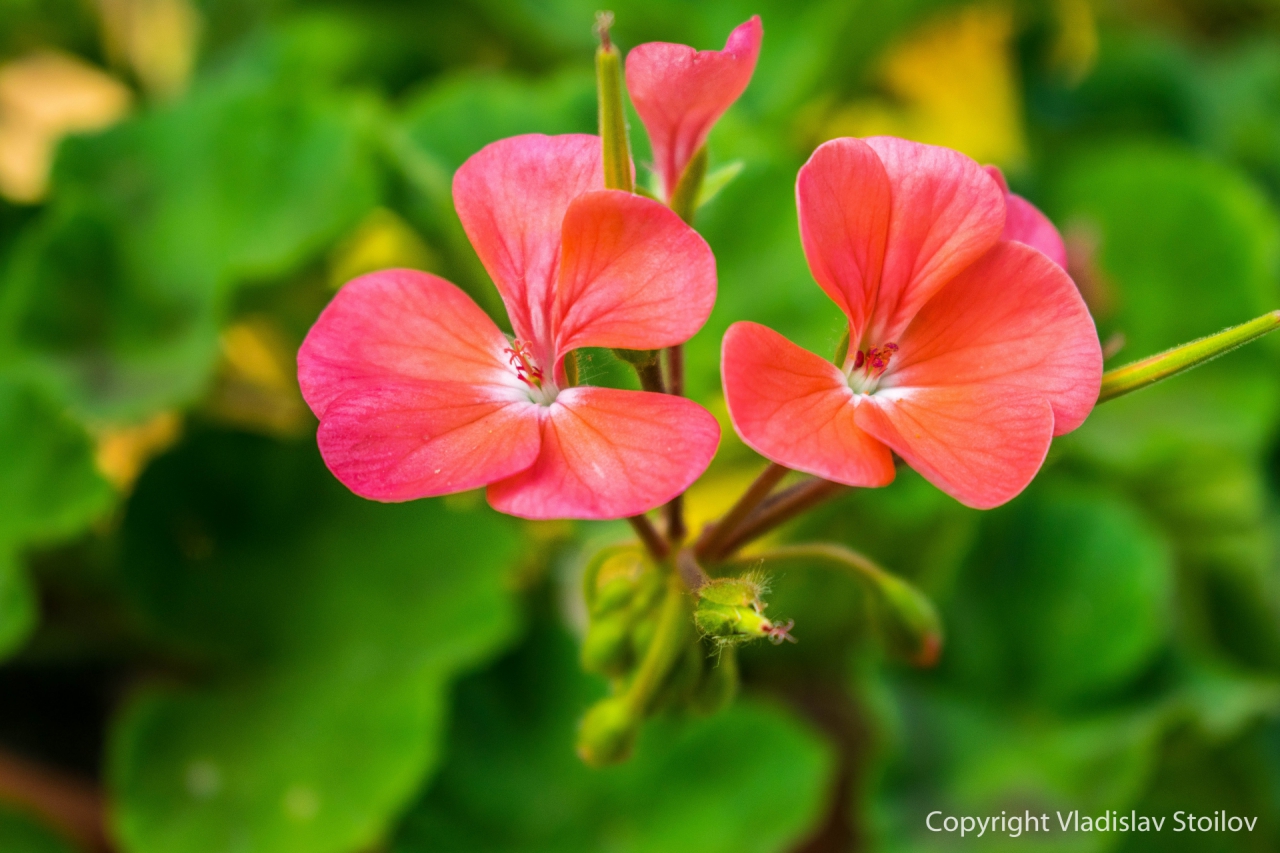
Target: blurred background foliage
<point>212,644</point>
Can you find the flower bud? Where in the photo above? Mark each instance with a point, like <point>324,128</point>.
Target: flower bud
<point>606,649</point>
<point>607,732</point>
<point>730,610</point>
<point>908,620</point>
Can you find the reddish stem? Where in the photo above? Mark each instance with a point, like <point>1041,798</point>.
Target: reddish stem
<point>713,540</point>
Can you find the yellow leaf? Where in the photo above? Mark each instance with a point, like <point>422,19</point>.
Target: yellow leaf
<point>122,452</point>
<point>381,241</point>
<point>156,38</point>
<point>43,97</point>
<point>951,83</point>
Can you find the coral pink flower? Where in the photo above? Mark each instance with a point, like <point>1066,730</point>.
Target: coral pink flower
<point>967,353</point>
<point>1024,222</point>
<point>419,393</point>
<point>680,92</point>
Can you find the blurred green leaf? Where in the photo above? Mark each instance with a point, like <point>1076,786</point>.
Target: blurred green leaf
<point>1067,595</point>
<point>335,625</point>
<point>1188,248</point>
<point>21,834</point>
<point>49,489</point>
<point>115,296</point>
<point>747,780</point>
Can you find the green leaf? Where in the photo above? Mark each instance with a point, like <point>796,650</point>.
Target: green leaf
<point>49,489</point>
<point>333,625</point>
<point>1067,595</point>
<point>748,780</point>
<point>114,295</point>
<point>1187,248</point>
<point>22,834</point>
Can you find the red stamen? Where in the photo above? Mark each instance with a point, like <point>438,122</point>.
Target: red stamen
<point>522,360</point>
<point>858,360</point>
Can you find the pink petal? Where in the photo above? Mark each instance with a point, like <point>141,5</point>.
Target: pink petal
<point>511,197</point>
<point>980,444</point>
<point>633,275</point>
<point>413,391</point>
<point>407,439</point>
<point>797,409</point>
<point>1025,223</point>
<point>1013,318</point>
<point>400,324</point>
<point>946,212</point>
<point>842,196</point>
<point>610,454</point>
<point>680,92</point>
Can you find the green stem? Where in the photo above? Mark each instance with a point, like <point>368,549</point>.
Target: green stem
<point>774,512</point>
<point>613,119</point>
<point>684,198</point>
<point>712,542</point>
<point>668,644</point>
<point>653,542</point>
<point>1148,371</point>
<point>912,622</point>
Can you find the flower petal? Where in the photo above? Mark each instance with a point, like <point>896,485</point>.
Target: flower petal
<point>1014,318</point>
<point>400,324</point>
<point>680,92</point>
<point>842,196</point>
<point>797,409</point>
<point>512,196</point>
<point>980,444</point>
<point>1025,223</point>
<point>633,275</point>
<point>946,213</point>
<point>413,391</point>
<point>407,439</point>
<point>611,454</point>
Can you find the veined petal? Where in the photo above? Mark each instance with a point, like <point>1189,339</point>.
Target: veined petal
<point>396,325</point>
<point>413,390</point>
<point>512,196</point>
<point>981,444</point>
<point>633,275</point>
<point>1024,223</point>
<point>407,439</point>
<point>946,212</point>
<point>1013,318</point>
<point>842,196</point>
<point>680,92</point>
<point>797,409</point>
<point>610,454</point>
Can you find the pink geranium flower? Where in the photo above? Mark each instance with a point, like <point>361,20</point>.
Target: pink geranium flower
<point>419,393</point>
<point>680,92</point>
<point>967,352</point>
<point>1024,223</point>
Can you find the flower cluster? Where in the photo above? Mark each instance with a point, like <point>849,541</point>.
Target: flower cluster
<point>967,349</point>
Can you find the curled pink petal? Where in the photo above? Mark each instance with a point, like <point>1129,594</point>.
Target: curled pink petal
<point>512,196</point>
<point>797,409</point>
<point>980,444</point>
<point>680,93</point>
<point>945,213</point>
<point>1025,223</point>
<point>608,453</point>
<point>414,392</point>
<point>842,196</point>
<point>633,275</point>
<point>1012,319</point>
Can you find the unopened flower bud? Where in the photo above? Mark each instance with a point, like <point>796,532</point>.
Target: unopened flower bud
<point>606,649</point>
<point>908,620</point>
<point>731,610</point>
<point>608,732</point>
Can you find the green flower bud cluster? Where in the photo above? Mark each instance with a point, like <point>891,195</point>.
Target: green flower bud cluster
<point>730,612</point>
<point>640,636</point>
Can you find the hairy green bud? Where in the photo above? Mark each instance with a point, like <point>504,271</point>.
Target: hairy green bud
<point>607,733</point>
<point>731,610</point>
